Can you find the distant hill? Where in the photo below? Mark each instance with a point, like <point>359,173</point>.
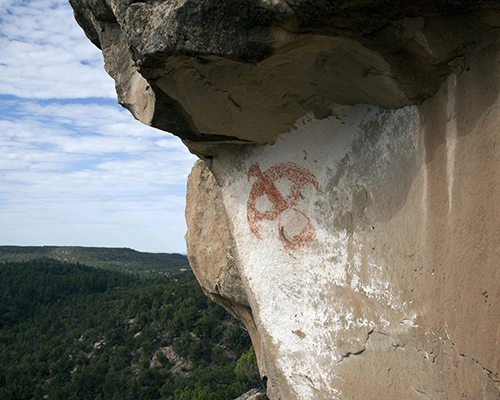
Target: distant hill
<point>99,257</point>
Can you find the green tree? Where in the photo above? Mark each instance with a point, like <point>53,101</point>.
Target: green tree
<point>247,368</point>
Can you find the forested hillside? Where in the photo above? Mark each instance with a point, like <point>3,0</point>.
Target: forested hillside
<point>69,331</point>
<point>100,257</point>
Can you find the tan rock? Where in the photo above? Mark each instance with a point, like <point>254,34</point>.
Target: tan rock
<point>215,74</point>
<point>253,394</point>
<point>211,251</point>
<point>348,208</point>
<point>396,294</point>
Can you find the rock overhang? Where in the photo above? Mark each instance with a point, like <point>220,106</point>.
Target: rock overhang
<point>221,73</point>
<point>384,114</point>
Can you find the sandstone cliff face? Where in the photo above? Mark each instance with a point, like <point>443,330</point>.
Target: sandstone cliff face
<point>347,206</point>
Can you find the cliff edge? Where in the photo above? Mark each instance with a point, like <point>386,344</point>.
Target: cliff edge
<point>345,206</point>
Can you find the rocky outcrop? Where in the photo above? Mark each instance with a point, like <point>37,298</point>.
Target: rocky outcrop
<point>211,250</point>
<point>347,206</point>
<point>217,72</point>
<point>253,394</point>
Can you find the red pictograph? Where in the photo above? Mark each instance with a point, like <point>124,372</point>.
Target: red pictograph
<point>279,203</point>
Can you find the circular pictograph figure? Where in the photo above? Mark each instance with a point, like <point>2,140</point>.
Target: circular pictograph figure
<point>274,195</point>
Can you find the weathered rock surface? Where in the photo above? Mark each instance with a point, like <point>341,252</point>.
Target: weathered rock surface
<point>219,72</point>
<point>347,208</point>
<point>210,249</point>
<point>253,394</point>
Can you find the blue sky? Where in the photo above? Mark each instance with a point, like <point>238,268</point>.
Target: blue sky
<point>75,167</point>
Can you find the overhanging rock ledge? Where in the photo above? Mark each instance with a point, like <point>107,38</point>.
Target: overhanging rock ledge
<point>346,208</point>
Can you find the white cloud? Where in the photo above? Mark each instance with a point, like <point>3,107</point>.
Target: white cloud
<point>78,171</point>
<point>68,169</point>
<point>45,54</point>
<point>95,118</point>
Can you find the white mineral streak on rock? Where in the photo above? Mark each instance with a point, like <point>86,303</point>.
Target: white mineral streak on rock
<point>310,299</point>
<point>451,137</point>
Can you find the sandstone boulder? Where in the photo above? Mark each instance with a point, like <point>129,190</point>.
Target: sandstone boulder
<point>217,72</point>
<point>346,208</point>
<point>253,394</point>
